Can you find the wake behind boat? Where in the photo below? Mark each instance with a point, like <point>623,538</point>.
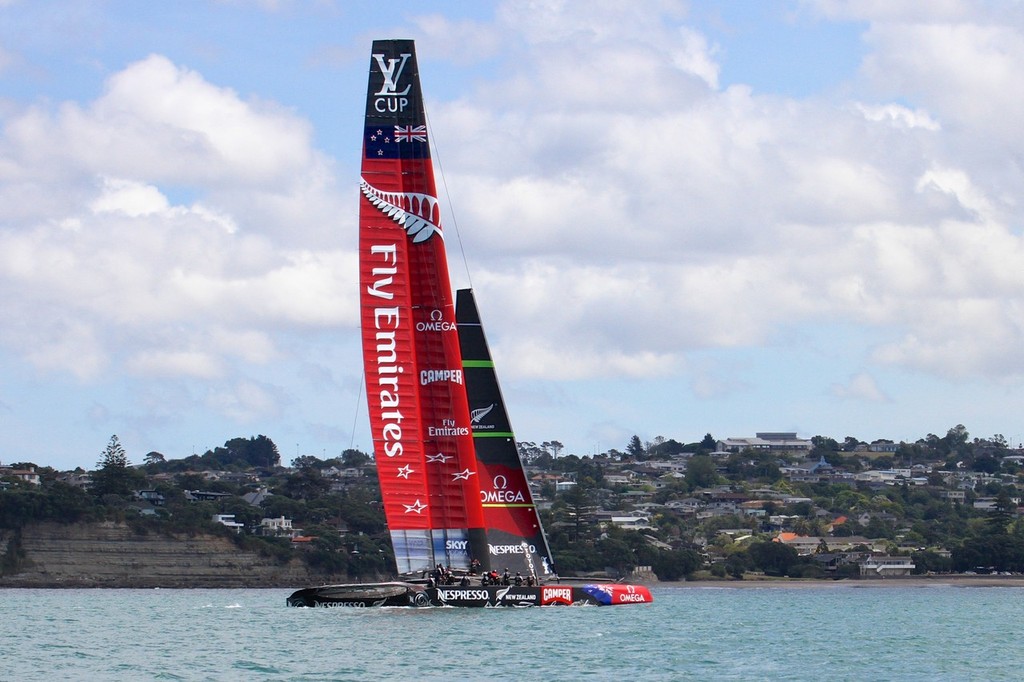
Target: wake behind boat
<point>454,492</point>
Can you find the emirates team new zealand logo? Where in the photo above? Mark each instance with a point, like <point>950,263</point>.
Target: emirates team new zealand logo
<point>417,213</point>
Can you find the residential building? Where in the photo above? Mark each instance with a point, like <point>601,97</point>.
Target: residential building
<point>883,566</point>
<point>28,475</point>
<point>229,521</point>
<point>278,526</point>
<point>781,442</point>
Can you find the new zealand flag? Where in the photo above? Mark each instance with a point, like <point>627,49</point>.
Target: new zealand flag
<point>396,142</point>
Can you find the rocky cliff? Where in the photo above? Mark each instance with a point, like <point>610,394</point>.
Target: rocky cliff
<point>112,555</point>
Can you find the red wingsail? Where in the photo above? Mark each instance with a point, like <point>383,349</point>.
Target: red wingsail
<point>419,415</point>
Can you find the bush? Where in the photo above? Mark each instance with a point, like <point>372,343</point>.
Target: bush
<point>673,565</point>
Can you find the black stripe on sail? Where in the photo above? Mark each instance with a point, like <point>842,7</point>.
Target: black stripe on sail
<point>394,87</point>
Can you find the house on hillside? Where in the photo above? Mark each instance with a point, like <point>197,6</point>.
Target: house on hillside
<point>689,505</point>
<point>28,475</point>
<point>277,527</point>
<point>229,521</point>
<point>205,496</point>
<point>773,441</point>
<point>670,466</point>
<point>256,498</point>
<point>78,478</point>
<point>154,497</point>
<point>810,544</point>
<point>632,522</point>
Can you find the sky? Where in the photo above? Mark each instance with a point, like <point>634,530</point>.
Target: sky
<point>679,217</point>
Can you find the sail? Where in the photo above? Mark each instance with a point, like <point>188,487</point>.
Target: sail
<point>419,415</point>
<point>515,535</point>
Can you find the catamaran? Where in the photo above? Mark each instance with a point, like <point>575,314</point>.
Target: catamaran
<point>455,495</point>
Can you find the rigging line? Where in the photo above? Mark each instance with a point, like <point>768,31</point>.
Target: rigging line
<point>448,197</point>
<point>445,503</point>
<point>355,414</point>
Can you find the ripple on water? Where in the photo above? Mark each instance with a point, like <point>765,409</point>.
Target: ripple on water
<point>721,634</point>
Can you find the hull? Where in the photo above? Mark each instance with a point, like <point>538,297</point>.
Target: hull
<point>371,595</point>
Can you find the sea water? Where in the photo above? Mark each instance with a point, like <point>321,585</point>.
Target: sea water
<point>690,633</point>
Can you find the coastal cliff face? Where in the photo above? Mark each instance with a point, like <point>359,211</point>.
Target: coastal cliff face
<point>112,555</point>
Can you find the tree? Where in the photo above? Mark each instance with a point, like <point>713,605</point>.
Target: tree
<point>113,455</point>
<point>307,484</point>
<point>576,504</point>
<point>307,462</point>
<point>701,472</point>
<point>999,519</point>
<point>635,448</point>
<point>261,452</point>
<point>616,554</point>
<point>257,451</point>
<point>554,447</point>
<point>774,558</point>
<point>666,447</point>
<point>928,561</point>
<point>823,445</point>
<point>354,458</point>
<point>986,463</point>
<point>154,458</point>
<point>676,564</point>
<point>113,475</point>
<point>737,563</point>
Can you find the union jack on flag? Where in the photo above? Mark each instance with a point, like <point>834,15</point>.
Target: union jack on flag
<point>411,133</point>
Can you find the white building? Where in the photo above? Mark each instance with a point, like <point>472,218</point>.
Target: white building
<point>229,521</point>
<point>881,566</point>
<point>278,526</point>
<point>768,441</point>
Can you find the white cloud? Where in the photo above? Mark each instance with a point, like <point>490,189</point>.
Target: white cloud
<point>686,218</point>
<point>899,116</point>
<point>968,73</point>
<point>130,198</point>
<point>193,363</point>
<point>696,57</point>
<point>620,211</point>
<point>246,401</point>
<point>861,386</point>
<point>957,184</point>
<point>92,236</point>
<point>163,123</point>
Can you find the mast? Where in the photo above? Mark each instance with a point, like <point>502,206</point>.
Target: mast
<point>419,414</point>
<point>515,535</point>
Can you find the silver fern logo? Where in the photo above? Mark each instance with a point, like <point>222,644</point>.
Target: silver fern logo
<point>476,415</point>
<point>417,213</point>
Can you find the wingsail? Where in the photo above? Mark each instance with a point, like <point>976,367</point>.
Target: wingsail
<point>515,536</point>
<point>419,415</point>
